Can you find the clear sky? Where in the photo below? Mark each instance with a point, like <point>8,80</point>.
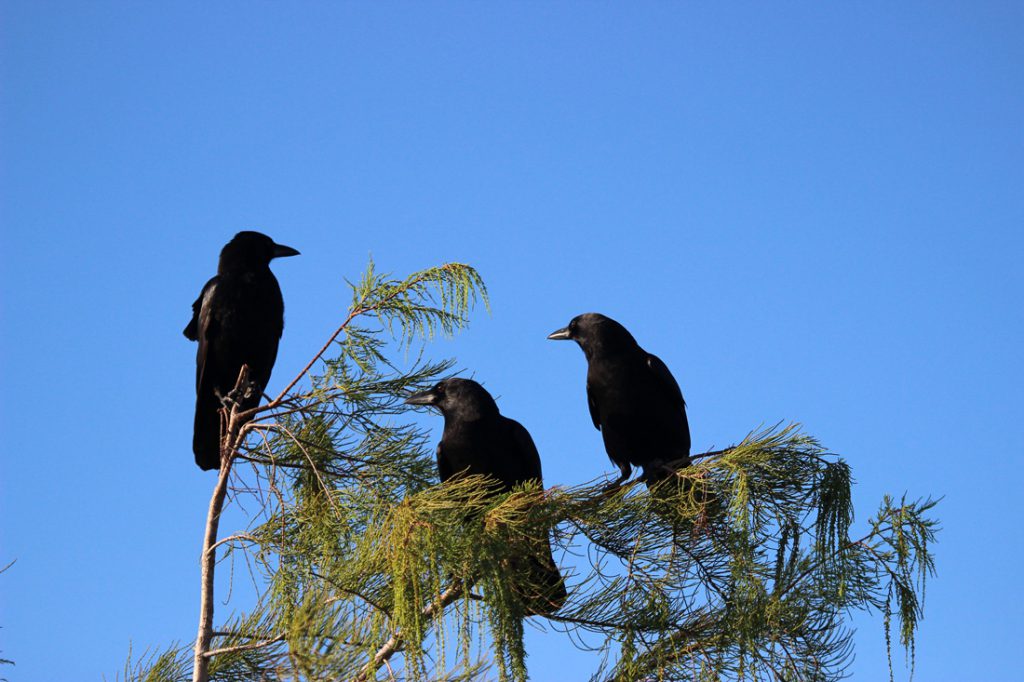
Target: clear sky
<point>810,211</point>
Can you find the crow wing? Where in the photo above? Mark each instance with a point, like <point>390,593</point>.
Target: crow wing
<point>191,330</point>
<point>595,416</point>
<point>664,379</point>
<point>543,592</point>
<point>444,469</point>
<point>202,327</point>
<point>528,457</point>
<point>206,429</point>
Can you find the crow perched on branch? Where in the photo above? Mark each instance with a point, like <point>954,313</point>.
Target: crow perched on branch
<point>634,400</point>
<point>237,320</point>
<point>478,440</point>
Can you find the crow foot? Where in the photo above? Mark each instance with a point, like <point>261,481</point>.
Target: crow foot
<point>655,472</point>
<point>237,396</point>
<point>659,470</point>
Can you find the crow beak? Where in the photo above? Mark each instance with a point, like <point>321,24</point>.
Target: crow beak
<point>560,335</point>
<point>427,397</point>
<point>280,251</point>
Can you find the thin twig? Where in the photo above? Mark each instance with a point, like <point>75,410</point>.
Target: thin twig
<point>309,365</point>
<point>351,592</point>
<point>236,536</point>
<point>245,647</point>
<point>395,642</point>
<point>356,311</point>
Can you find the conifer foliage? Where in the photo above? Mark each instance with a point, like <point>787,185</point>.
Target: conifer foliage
<point>742,567</point>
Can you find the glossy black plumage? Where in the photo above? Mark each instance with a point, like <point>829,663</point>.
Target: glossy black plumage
<point>633,398</point>
<point>237,319</point>
<point>478,439</point>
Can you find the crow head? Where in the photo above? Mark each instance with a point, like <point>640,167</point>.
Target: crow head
<point>595,333</point>
<point>461,399</point>
<point>250,250</point>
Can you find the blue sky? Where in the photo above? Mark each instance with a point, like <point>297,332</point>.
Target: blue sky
<point>811,212</point>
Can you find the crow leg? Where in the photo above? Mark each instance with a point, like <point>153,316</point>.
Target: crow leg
<point>656,471</point>
<point>626,471</point>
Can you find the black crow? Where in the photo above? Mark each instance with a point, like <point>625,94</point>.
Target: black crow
<point>477,439</point>
<point>634,400</point>
<point>237,320</point>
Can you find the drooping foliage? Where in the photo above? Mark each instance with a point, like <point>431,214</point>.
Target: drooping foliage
<point>743,566</point>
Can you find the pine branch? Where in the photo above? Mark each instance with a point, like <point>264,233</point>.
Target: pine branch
<point>366,305</point>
